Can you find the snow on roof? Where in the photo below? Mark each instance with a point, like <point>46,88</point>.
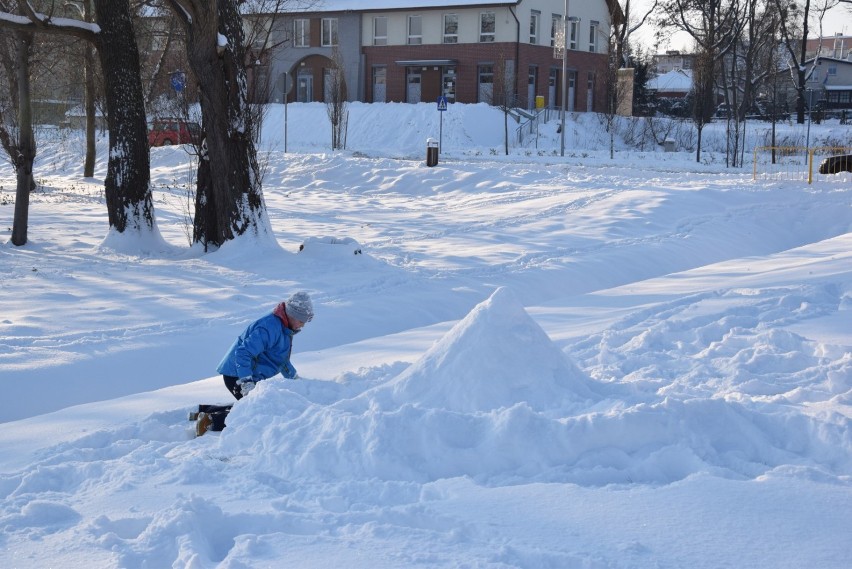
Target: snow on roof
<point>675,80</point>
<point>829,59</point>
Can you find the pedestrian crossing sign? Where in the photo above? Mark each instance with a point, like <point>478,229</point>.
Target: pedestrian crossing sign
<point>442,103</point>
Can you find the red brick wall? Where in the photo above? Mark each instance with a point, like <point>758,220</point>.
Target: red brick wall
<point>470,56</point>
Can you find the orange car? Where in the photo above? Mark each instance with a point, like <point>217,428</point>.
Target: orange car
<point>165,132</point>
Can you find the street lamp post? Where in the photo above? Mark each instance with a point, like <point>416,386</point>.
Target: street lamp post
<point>564,74</point>
<point>82,6</point>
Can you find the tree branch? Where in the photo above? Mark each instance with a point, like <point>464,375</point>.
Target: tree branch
<point>33,21</point>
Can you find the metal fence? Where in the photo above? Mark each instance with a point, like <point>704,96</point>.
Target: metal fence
<point>802,163</point>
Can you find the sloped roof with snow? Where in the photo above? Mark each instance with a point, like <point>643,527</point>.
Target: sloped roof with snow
<point>677,80</point>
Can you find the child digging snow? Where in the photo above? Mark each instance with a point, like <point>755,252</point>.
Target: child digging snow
<point>260,352</point>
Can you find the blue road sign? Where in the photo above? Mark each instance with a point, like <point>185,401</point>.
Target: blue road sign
<point>178,80</point>
<point>442,103</point>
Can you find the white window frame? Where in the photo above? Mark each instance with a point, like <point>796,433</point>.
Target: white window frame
<point>380,39</point>
<point>329,32</point>
<point>415,38</point>
<point>574,32</point>
<point>535,23</point>
<point>301,32</point>
<point>448,37</point>
<point>487,37</point>
<point>554,26</point>
<point>593,36</point>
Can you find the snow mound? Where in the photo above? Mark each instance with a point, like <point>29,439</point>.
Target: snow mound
<point>330,247</point>
<point>476,404</point>
<point>496,401</point>
<point>496,357</point>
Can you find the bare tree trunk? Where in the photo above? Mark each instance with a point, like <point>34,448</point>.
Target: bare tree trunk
<point>230,193</point>
<point>797,60</point>
<point>502,93</point>
<point>26,150</point>
<point>336,106</point>
<point>127,185</point>
<point>89,101</point>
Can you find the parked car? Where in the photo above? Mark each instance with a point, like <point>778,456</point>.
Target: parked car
<point>761,109</point>
<point>836,164</point>
<point>165,132</point>
<point>766,110</point>
<point>721,112</point>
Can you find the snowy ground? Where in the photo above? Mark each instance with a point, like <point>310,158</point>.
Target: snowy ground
<point>536,361</point>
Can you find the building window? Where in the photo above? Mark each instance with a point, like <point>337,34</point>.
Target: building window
<point>574,25</point>
<point>329,32</point>
<point>593,36</point>
<point>832,70</point>
<point>380,30</point>
<point>413,79</point>
<point>555,26</point>
<point>415,30</point>
<point>301,33</point>
<point>486,83</point>
<point>535,16</point>
<point>451,28</point>
<point>487,26</point>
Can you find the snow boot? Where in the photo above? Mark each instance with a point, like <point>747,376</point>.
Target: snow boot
<point>203,423</point>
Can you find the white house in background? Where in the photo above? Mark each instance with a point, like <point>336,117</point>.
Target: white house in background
<point>672,60</point>
<point>829,82</point>
<point>675,84</point>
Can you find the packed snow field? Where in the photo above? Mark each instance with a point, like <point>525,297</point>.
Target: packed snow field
<point>516,361</point>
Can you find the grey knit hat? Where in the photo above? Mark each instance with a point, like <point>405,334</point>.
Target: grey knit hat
<point>299,307</point>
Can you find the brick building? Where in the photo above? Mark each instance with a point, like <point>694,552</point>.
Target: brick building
<point>416,50</point>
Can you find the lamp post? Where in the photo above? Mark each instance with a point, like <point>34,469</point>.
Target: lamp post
<point>83,8</point>
<point>564,74</point>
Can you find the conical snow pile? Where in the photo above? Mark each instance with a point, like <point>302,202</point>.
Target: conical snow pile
<point>494,358</point>
<point>487,401</point>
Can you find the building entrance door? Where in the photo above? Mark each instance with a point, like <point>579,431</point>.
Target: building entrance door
<point>305,86</point>
<point>431,85</point>
<point>413,80</point>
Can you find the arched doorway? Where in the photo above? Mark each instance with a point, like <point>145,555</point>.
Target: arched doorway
<point>308,75</point>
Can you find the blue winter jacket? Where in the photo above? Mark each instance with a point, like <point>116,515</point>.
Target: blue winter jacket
<point>261,351</point>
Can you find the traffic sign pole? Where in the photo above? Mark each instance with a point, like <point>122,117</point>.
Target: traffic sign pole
<point>442,106</point>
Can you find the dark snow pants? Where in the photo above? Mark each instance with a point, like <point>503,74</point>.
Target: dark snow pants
<point>220,412</point>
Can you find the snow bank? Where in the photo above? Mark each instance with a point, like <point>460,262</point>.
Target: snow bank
<point>496,401</point>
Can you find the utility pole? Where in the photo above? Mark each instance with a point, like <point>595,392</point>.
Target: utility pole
<point>564,50</point>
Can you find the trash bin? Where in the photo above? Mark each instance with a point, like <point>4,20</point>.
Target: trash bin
<point>431,152</point>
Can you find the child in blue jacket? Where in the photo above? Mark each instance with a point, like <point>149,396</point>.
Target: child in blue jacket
<point>260,352</point>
